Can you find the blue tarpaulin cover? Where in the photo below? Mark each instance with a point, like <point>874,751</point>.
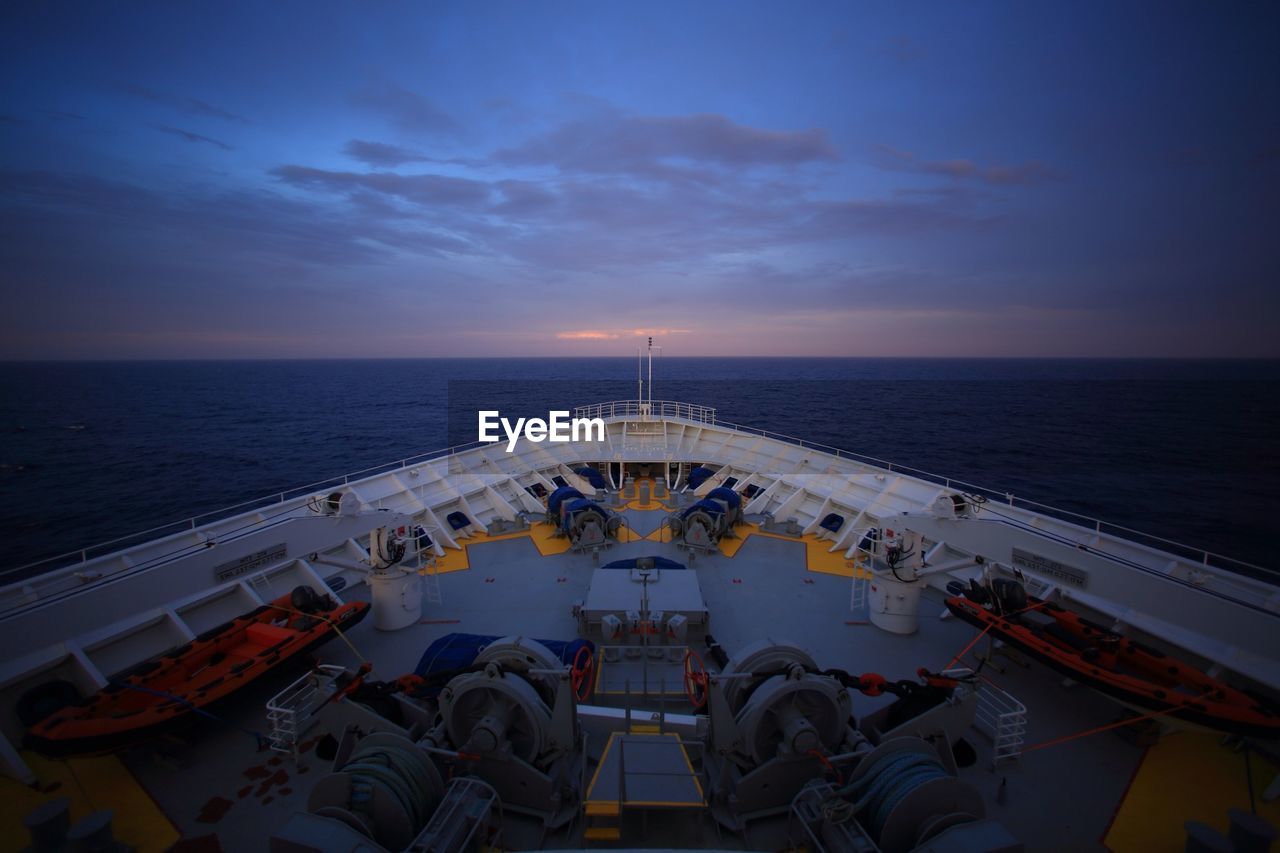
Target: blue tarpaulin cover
<point>578,505</point>
<point>698,476</point>
<point>459,651</point>
<point>729,496</point>
<point>592,476</point>
<point>832,522</point>
<point>658,563</point>
<point>457,520</point>
<point>709,507</point>
<point>561,495</point>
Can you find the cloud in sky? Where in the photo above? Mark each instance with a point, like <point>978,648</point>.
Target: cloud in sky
<point>423,189</point>
<point>193,137</point>
<point>663,146</point>
<point>183,104</point>
<point>588,335</point>
<point>553,183</point>
<point>381,154</point>
<point>1030,172</point>
<point>406,110</point>
<point>613,335</point>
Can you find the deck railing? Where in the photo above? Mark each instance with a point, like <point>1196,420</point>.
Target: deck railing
<point>656,409</point>
<point>1207,558</point>
<point>650,409</point>
<point>295,493</point>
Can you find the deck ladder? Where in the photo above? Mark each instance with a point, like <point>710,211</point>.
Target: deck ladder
<point>861,582</point>
<point>426,568</point>
<point>431,585</point>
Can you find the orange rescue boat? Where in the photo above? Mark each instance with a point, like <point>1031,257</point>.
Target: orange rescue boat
<point>165,691</point>
<point>1128,671</point>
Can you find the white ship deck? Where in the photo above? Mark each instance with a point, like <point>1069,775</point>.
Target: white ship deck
<point>85,621</point>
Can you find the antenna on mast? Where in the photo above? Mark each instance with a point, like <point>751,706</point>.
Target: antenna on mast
<point>645,404</point>
<point>651,373</point>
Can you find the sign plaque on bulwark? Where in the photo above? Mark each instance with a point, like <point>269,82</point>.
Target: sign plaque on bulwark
<point>1048,568</point>
<point>249,562</point>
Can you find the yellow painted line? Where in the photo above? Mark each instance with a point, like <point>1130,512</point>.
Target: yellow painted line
<point>540,533</point>
<point>485,537</point>
<point>92,784</point>
<point>454,560</point>
<point>626,534</point>
<point>729,546</point>
<point>649,507</point>
<point>687,763</point>
<point>544,537</point>
<point>818,557</point>
<point>1187,776</point>
<point>665,804</point>
<point>594,776</point>
<point>588,802</point>
<point>662,534</point>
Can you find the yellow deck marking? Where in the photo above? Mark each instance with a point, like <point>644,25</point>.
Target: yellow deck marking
<point>626,534</point>
<point>817,556</point>
<point>457,559</point>
<point>662,535</point>
<point>693,777</point>
<point>97,783</point>
<point>544,536</point>
<point>454,560</point>
<point>649,507</point>
<point>819,559</point>
<point>1187,776</point>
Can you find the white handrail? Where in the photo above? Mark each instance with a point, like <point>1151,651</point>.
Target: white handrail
<point>616,409</point>
<point>625,407</point>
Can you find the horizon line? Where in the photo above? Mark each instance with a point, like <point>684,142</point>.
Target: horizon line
<point>233,359</point>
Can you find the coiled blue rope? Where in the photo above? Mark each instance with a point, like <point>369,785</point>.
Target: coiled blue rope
<point>393,770</point>
<point>889,781</point>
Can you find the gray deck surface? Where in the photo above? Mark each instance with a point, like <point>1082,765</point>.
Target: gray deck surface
<point>651,769</point>
<point>1060,798</point>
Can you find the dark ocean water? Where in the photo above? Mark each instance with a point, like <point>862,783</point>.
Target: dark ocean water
<point>1182,449</point>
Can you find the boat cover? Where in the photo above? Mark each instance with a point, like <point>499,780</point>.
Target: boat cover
<point>581,505</point>
<point>832,522</point>
<point>561,495</point>
<point>699,475</point>
<point>708,506</point>
<point>729,496</point>
<point>459,651</point>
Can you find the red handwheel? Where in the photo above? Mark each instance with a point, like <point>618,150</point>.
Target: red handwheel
<point>695,679</point>
<point>584,667</point>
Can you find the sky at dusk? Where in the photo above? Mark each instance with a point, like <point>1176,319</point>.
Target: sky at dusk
<point>186,180</point>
